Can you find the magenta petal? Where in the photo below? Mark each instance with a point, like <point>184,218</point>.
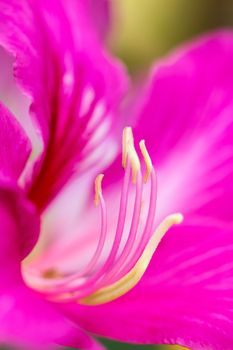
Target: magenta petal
<point>185,297</point>
<point>14,151</point>
<point>186,120</point>
<point>21,220</point>
<point>29,321</point>
<point>26,319</point>
<point>15,146</point>
<point>186,94</point>
<point>99,11</point>
<point>27,218</point>
<point>74,85</point>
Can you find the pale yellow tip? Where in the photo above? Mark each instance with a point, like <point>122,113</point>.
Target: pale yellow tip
<point>128,150</point>
<point>127,139</point>
<point>98,188</point>
<point>147,159</point>
<point>178,218</point>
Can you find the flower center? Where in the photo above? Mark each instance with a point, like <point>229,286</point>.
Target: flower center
<point>100,282</point>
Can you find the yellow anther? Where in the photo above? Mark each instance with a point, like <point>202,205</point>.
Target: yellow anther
<point>127,139</point>
<point>146,159</point>
<point>98,188</point>
<point>128,150</point>
<point>127,282</point>
<point>134,161</point>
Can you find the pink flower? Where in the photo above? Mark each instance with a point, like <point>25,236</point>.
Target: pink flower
<point>122,275</point>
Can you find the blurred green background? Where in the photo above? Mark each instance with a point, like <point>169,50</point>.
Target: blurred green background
<point>144,30</point>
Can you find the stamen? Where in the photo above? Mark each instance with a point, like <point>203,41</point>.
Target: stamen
<point>147,230</point>
<point>90,283</point>
<point>126,283</point>
<point>98,188</point>
<point>103,281</point>
<point>103,232</point>
<point>146,159</point>
<point>128,150</point>
<point>131,237</point>
<point>127,138</point>
<point>131,259</point>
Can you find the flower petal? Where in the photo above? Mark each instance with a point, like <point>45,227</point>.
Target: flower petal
<point>186,120</point>
<point>100,13</point>
<point>74,85</point>
<point>17,210</point>
<point>45,327</point>
<point>15,146</point>
<point>20,306</point>
<point>17,102</point>
<point>185,297</point>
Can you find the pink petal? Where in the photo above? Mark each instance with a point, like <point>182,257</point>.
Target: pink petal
<point>75,87</point>
<point>15,146</point>
<point>185,297</point>
<point>16,101</point>
<point>27,218</point>
<point>19,214</point>
<point>100,15</point>
<point>29,321</point>
<point>186,120</point>
<point>26,319</point>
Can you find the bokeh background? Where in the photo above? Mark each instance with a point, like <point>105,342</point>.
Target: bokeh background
<point>146,30</point>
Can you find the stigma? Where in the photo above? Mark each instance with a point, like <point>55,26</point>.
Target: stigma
<point>135,240</point>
